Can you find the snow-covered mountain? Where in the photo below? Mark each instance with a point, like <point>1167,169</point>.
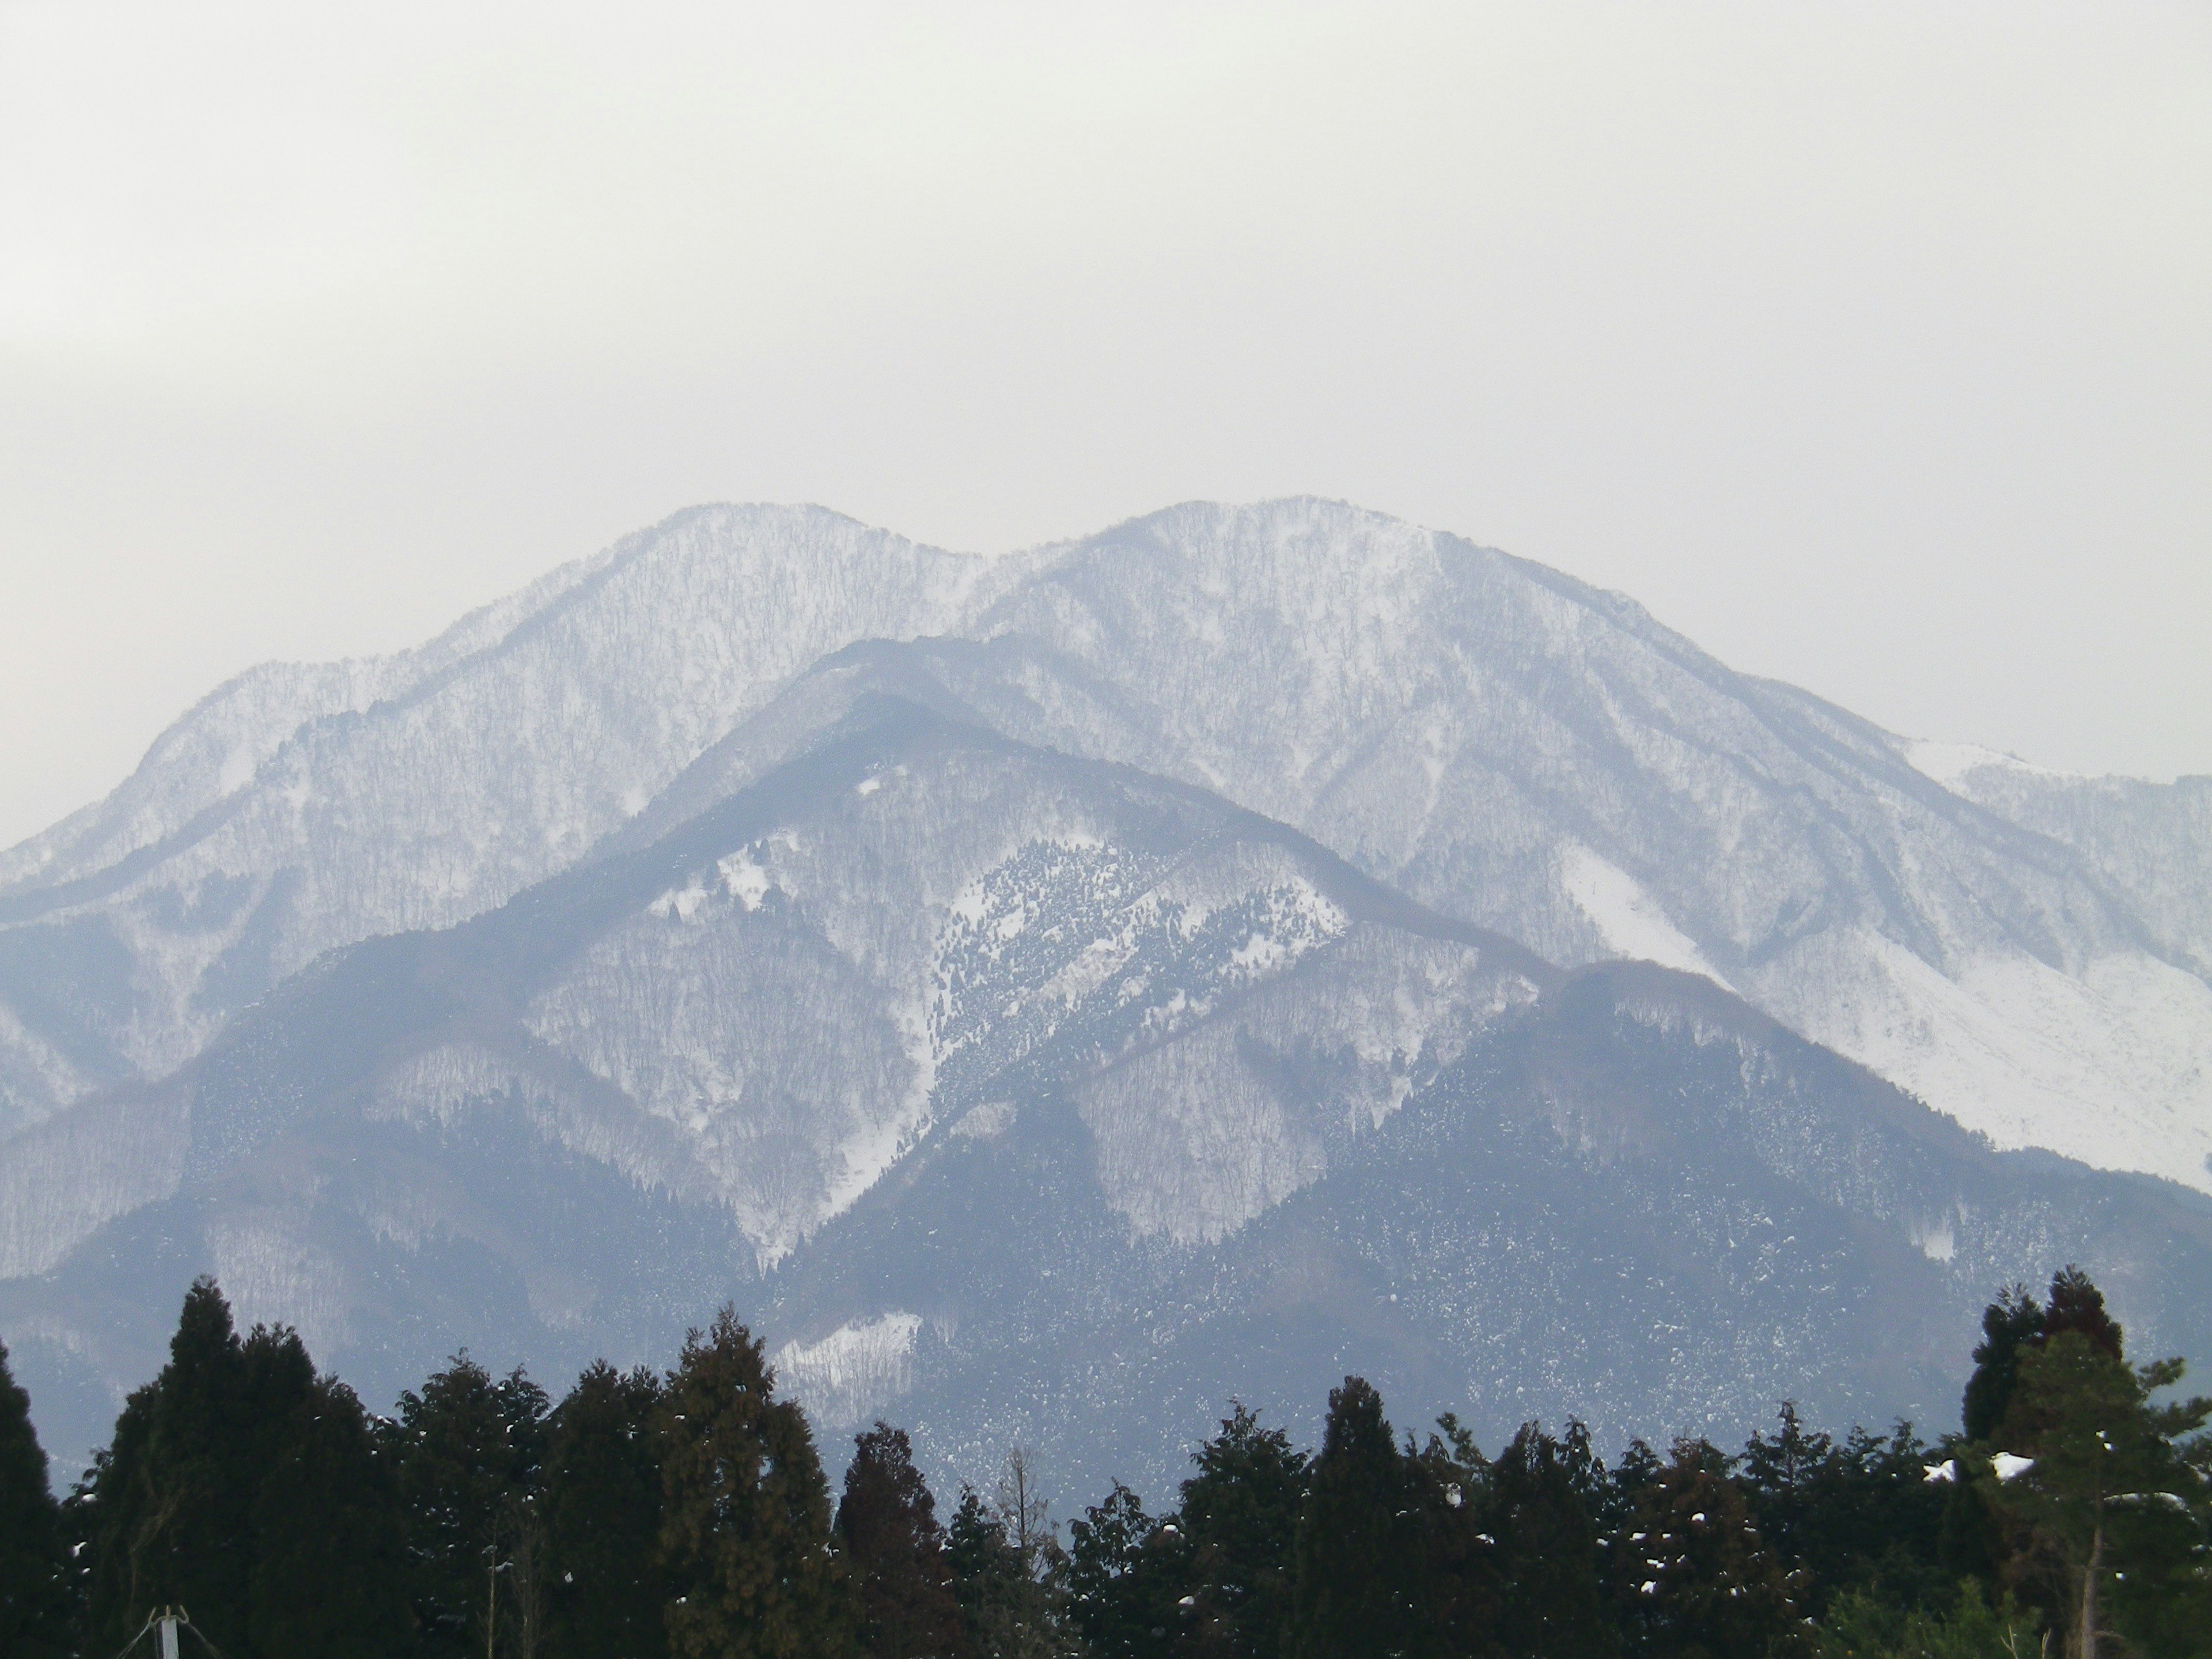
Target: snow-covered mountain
<point>1518,750</point>
<point>300,808</point>
<point>1003,1089</point>
<point>754,878</point>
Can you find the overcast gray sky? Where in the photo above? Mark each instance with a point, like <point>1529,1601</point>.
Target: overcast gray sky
<point>1870,345</point>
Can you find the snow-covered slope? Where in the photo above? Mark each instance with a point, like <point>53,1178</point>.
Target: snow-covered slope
<point>298,810</point>
<point>1544,759</point>
<point>2151,842</point>
<point>1504,744</point>
<point>217,747</point>
<point>915,930</point>
<point>1030,1099</point>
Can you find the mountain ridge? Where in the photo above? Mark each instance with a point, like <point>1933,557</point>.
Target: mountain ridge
<point>347,1146</point>
<point>772,890</point>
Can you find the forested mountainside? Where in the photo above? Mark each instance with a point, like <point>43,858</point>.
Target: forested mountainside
<point>247,1506</point>
<point>1148,962</point>
<point>1151,1098</point>
<point>1504,744</point>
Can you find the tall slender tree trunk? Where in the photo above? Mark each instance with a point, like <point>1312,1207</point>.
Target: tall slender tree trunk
<point>2085,1637</point>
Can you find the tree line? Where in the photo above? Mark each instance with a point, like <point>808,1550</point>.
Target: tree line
<point>687,1516</point>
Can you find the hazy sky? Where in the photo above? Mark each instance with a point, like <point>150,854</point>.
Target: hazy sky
<point>1870,345</point>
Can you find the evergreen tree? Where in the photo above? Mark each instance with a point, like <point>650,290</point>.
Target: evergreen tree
<point>1792,1482</point>
<point>2111,1509</point>
<point>605,1592</point>
<point>1002,1576</point>
<point>244,1488</point>
<point>1536,1509</point>
<point>34,1599</point>
<point>329,1558</point>
<point>1240,1513</point>
<point>745,1522</point>
<point>1621,1494</point>
<point>1861,1515</point>
<point>1462,1593</point>
<point>171,1521</point>
<point>1126,1578</point>
<point>1359,1553</point>
<point>468,1450</point>
<point>894,1552</point>
<point>2009,1323</point>
<point>989,1579</point>
<point>2078,1305</point>
<point>1692,1577</point>
<point>1860,1625</point>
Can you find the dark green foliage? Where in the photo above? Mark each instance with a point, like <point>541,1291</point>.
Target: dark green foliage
<point>1962,1625</point>
<point>745,1523</point>
<point>604,1592</point>
<point>2077,1305</point>
<point>2110,1520</point>
<point>1360,1555</point>
<point>645,1521</point>
<point>1005,1579</point>
<point>989,1579</point>
<point>1536,1509</point>
<point>1240,1519</point>
<point>35,1601</point>
<point>1862,1515</point>
<point>2103,1530</point>
<point>1461,1591</point>
<point>1639,1468</point>
<point>2014,1319</point>
<point>468,1450</point>
<point>1126,1578</point>
<point>329,1571</point>
<point>1692,1576</point>
<point>894,1552</point>
<point>170,1518</point>
<point>243,1488</point>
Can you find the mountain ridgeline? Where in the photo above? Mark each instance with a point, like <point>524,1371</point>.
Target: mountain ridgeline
<point>1248,946</point>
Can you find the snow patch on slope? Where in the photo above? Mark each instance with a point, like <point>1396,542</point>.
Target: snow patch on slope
<point>854,1372</point>
<point>1197,1137</point>
<point>1947,763</point>
<point>1630,920</point>
<point>2113,1068</point>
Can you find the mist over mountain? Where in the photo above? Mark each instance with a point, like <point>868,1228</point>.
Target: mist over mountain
<point>1248,945</point>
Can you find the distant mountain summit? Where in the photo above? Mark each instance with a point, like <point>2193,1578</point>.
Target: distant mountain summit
<point>1500,741</point>
<point>1017,981</point>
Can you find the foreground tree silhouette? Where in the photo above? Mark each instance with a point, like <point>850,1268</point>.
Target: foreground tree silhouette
<point>1553,1606</point>
<point>894,1554</point>
<point>1692,1577</point>
<point>1126,1577</point>
<point>1856,1515</point>
<point>605,1592</point>
<point>2110,1509</point>
<point>168,1522</point>
<point>328,1573</point>
<point>744,1530</point>
<point>1460,1594</point>
<point>2011,1323</point>
<point>1240,1513</point>
<point>244,1488</point>
<point>1006,1573</point>
<point>1359,1553</point>
<point>468,1448</point>
<point>34,1594</point>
